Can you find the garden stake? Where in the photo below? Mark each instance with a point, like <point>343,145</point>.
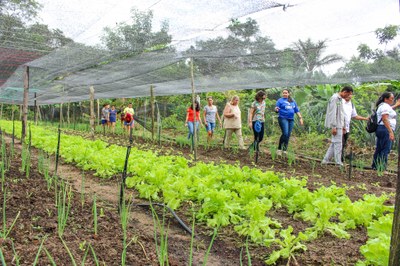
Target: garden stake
<point>30,139</point>
<point>128,151</point>
<point>58,148</point>
<point>13,130</point>
<point>351,162</point>
<point>394,254</point>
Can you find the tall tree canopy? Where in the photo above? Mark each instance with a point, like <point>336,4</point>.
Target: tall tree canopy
<point>136,36</point>
<point>18,29</point>
<point>378,61</point>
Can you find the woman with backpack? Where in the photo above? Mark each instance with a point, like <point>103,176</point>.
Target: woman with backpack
<point>257,119</point>
<point>386,117</point>
<point>128,117</point>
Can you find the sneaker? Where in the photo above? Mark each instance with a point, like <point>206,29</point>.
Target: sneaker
<point>279,152</point>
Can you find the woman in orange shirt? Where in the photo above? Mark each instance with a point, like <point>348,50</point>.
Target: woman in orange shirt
<point>190,118</point>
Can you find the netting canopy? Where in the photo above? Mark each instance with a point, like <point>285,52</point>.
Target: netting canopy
<point>227,45</point>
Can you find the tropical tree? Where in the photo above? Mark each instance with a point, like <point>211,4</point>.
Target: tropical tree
<point>243,49</point>
<point>378,62</point>
<point>387,34</point>
<point>311,55</point>
<point>17,33</point>
<point>137,36</point>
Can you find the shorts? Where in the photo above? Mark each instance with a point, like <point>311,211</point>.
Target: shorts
<point>104,122</point>
<point>210,126</point>
<point>113,119</point>
<point>129,123</point>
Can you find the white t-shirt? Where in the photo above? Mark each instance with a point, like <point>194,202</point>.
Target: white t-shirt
<point>386,109</point>
<point>349,113</point>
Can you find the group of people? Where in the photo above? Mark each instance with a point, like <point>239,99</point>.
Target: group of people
<point>340,111</point>
<point>109,117</point>
<point>286,108</point>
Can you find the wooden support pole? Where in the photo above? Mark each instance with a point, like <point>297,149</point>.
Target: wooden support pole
<point>98,112</point>
<point>61,114</point>
<point>35,110</point>
<point>194,110</point>
<point>68,107</point>
<point>92,116</point>
<point>25,104</point>
<point>394,257</point>
<point>39,114</point>
<point>152,111</point>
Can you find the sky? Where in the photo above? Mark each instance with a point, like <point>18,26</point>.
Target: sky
<point>343,23</point>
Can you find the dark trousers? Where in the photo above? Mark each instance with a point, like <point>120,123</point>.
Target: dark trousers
<point>383,147</point>
<point>286,126</point>
<point>258,136</point>
<point>344,144</point>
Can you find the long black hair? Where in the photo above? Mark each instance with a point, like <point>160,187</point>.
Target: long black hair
<point>197,106</point>
<point>385,95</point>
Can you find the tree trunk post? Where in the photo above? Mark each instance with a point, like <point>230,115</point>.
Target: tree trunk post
<point>92,116</point>
<point>98,112</point>
<point>25,104</point>
<point>394,256</point>
<point>194,110</point>
<point>35,110</point>
<point>68,118</point>
<point>61,114</point>
<point>152,111</point>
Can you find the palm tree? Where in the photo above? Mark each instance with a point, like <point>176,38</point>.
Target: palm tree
<point>310,54</point>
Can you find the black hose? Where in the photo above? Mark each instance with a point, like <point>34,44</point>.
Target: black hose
<point>172,212</point>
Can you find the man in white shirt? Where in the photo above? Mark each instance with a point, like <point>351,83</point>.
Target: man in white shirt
<point>349,113</point>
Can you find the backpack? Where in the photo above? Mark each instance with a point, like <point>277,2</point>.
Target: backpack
<point>372,123</point>
<point>128,117</point>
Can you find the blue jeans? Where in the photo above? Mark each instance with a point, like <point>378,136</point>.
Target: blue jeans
<point>286,126</point>
<point>383,147</point>
<point>190,127</point>
<point>210,126</point>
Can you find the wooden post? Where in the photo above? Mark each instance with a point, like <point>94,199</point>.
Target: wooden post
<point>35,111</point>
<point>68,120</point>
<point>39,114</point>
<point>394,256</point>
<point>25,104</point>
<point>194,109</point>
<point>61,114</point>
<point>92,116</point>
<point>152,111</point>
<point>98,112</point>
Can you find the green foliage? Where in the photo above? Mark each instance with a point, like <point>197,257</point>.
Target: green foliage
<point>376,250</point>
<point>226,194</point>
<point>136,36</point>
<point>387,34</point>
<point>171,122</point>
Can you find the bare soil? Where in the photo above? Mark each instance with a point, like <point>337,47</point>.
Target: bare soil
<point>38,216</point>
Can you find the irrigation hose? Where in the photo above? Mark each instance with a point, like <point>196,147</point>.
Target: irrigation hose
<point>172,212</point>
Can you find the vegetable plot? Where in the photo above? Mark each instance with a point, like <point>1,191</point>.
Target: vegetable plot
<point>229,195</point>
